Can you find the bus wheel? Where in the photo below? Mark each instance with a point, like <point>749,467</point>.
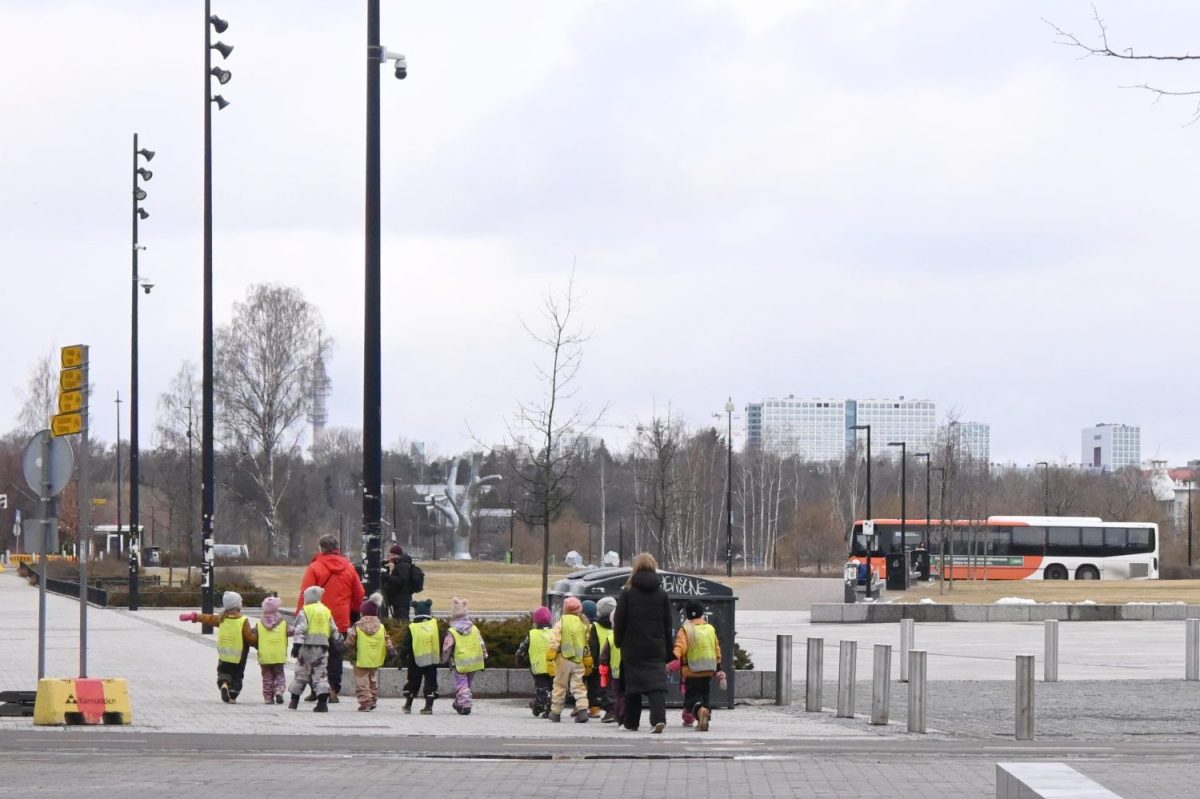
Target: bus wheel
<point>1087,573</point>
<point>1055,572</point>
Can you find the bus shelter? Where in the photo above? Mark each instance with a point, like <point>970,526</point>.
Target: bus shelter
<point>719,605</point>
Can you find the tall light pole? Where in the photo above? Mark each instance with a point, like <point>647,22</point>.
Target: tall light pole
<point>903,445</point>
<point>191,531</point>
<point>118,404</point>
<point>729,488</point>
<point>866,540</point>
<point>1045,487</point>
<point>372,424</point>
<point>138,213</point>
<point>928,512</point>
<point>207,475</point>
<point>1189,487</point>
<point>942,524</point>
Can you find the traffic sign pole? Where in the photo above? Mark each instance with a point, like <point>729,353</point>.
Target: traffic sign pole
<point>45,499</point>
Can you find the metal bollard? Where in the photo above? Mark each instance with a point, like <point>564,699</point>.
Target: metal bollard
<point>916,690</point>
<point>1025,670</point>
<point>1193,650</point>
<point>1050,662</point>
<point>783,669</point>
<point>881,684</point>
<point>907,635</point>
<point>812,675</point>
<point>847,656</point>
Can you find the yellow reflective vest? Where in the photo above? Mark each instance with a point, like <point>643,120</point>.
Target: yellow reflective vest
<point>604,638</point>
<point>702,647</point>
<point>572,642</point>
<point>468,650</point>
<point>272,644</point>
<point>320,624</point>
<point>539,645</point>
<point>424,642</point>
<point>370,649</point>
<point>229,640</point>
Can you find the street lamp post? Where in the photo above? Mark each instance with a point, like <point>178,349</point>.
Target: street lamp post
<point>928,511</point>
<point>208,483</point>
<point>1189,487</point>
<point>867,540</point>
<point>138,213</point>
<point>903,445</point>
<point>395,531</point>
<point>729,488</point>
<point>1045,487</point>
<point>942,525</point>
<point>372,400</point>
<point>191,504</point>
<point>118,403</point>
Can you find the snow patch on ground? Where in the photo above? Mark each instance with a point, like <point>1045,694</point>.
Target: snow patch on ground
<point>1015,600</point>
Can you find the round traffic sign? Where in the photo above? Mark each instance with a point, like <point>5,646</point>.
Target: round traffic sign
<point>60,463</point>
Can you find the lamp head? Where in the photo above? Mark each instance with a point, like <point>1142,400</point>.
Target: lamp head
<point>223,49</point>
<point>143,213</point>
<point>220,101</point>
<point>147,154</point>
<point>145,173</point>
<point>140,194</point>
<point>219,25</point>
<point>222,75</point>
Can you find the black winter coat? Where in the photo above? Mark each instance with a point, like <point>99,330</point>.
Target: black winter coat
<point>642,629</point>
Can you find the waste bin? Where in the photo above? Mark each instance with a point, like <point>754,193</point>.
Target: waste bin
<point>151,556</point>
<point>919,563</point>
<point>719,603</point>
<point>897,571</point>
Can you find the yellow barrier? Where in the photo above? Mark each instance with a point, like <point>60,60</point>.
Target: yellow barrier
<point>82,701</point>
<point>27,558</point>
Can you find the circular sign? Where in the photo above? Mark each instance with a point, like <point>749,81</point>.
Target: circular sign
<point>58,468</point>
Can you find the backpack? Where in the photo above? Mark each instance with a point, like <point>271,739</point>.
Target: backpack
<point>416,579</point>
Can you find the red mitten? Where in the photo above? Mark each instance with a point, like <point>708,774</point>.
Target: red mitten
<point>674,665</point>
<point>191,616</point>
<point>605,673</point>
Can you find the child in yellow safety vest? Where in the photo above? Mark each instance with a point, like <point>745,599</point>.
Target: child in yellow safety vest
<point>272,632</point>
<point>421,643</point>
<point>598,632</point>
<point>698,655</point>
<point>569,660</point>
<point>368,643</point>
<point>235,636</point>
<point>608,655</point>
<point>533,652</point>
<point>464,650</point>
<point>315,631</point>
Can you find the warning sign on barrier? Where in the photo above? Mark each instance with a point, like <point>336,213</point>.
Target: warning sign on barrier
<point>82,701</point>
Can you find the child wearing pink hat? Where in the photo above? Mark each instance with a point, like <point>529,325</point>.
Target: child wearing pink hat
<point>569,659</point>
<point>464,650</point>
<point>532,651</point>
<point>369,645</point>
<point>273,632</point>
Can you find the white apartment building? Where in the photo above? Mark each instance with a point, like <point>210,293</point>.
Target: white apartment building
<point>1109,447</point>
<point>974,440</point>
<point>818,429</point>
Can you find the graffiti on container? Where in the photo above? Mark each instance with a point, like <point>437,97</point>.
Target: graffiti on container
<point>683,585</point>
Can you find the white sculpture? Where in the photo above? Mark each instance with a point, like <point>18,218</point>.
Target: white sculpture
<point>456,503</point>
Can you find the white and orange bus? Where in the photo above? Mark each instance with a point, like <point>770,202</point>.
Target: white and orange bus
<point>1021,547</point>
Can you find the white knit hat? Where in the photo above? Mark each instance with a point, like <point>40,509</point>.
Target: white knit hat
<point>231,600</point>
<point>313,594</point>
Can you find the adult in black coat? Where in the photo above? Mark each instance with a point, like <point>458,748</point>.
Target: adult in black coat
<point>397,583</point>
<point>642,628</point>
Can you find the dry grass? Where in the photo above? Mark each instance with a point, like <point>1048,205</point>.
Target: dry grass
<point>487,585</point>
<point>1116,592</point>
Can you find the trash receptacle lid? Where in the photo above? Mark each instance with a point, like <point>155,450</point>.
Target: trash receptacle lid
<point>610,581</point>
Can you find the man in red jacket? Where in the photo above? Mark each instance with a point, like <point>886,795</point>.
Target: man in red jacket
<point>334,572</point>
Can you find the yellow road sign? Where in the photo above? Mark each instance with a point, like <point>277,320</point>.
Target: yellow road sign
<point>99,501</point>
<point>74,355</point>
<point>71,379</point>
<point>70,401</point>
<point>67,424</point>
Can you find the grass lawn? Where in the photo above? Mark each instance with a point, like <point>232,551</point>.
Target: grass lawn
<point>1104,592</point>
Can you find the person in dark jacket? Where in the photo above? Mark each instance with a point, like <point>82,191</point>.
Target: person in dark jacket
<point>642,628</point>
<point>397,582</point>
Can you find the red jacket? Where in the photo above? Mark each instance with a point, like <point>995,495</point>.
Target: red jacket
<point>343,590</point>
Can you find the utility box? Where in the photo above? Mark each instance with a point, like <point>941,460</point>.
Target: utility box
<point>151,556</point>
<point>719,604</point>
<point>897,571</point>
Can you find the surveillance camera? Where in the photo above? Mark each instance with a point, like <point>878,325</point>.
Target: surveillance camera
<point>146,286</point>
<point>401,68</point>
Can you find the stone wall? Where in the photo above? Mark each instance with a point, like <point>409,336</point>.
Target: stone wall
<point>494,683</point>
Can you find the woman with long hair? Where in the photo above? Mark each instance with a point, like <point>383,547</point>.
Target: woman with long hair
<point>642,628</point>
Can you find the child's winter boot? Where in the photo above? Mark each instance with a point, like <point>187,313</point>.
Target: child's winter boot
<point>408,700</point>
<point>581,715</point>
<point>322,704</point>
<point>428,709</point>
<point>295,703</point>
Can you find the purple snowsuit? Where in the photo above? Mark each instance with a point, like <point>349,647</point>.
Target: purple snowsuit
<point>462,682</point>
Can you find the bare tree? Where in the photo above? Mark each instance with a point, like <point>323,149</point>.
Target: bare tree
<point>169,468</point>
<point>658,445</point>
<point>549,434</point>
<point>265,362</point>
<point>39,401</point>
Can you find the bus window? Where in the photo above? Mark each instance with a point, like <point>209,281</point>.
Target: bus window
<point>1028,541</point>
<point>1116,541</point>
<point>1062,540</point>
<point>1091,541</point>
<point>1140,540</point>
<point>998,541</point>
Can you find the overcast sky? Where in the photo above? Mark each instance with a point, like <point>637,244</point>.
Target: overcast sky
<point>837,199</point>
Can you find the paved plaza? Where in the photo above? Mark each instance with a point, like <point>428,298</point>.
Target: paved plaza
<point>1133,728</point>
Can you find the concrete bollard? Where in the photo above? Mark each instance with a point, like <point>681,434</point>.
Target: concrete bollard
<point>813,676</point>
<point>1050,662</point>
<point>1193,650</point>
<point>907,635</point>
<point>1025,707</point>
<point>881,684</point>
<point>783,669</point>
<point>847,656</point>
<point>916,690</point>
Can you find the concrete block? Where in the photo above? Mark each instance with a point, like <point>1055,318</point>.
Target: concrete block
<point>968,613</point>
<point>520,682</point>
<point>1193,612</point>
<point>1008,612</point>
<point>854,614</point>
<point>1044,780</point>
<point>1054,611</point>
<point>1135,612</point>
<point>748,685</point>
<point>1170,612</point>
<point>827,613</point>
<point>391,683</point>
<point>931,613</point>
<point>490,682</point>
<point>767,679</point>
<point>884,614</point>
<point>1093,613</point>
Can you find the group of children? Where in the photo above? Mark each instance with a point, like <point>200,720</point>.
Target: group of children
<point>576,658</point>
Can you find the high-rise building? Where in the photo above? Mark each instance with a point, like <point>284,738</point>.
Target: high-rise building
<point>818,429</point>
<point>1109,447</point>
<point>974,440</point>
